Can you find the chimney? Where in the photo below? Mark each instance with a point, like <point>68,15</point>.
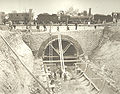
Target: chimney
<point>30,10</point>
<point>89,12</point>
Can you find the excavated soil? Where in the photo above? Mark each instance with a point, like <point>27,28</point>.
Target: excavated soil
<point>107,55</point>
<point>14,79</point>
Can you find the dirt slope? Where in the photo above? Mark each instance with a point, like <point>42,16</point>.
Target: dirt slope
<point>14,79</point>
<point>107,55</point>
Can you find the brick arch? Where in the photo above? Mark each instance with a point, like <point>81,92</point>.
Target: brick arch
<point>55,37</point>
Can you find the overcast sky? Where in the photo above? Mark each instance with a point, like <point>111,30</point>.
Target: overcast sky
<point>52,6</point>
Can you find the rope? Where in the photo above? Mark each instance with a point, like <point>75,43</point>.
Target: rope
<point>24,65</point>
<point>61,52</point>
<point>50,48</point>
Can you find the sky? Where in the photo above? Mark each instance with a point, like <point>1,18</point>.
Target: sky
<point>53,6</point>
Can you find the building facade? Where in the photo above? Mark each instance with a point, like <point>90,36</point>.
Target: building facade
<point>21,18</point>
<point>99,18</point>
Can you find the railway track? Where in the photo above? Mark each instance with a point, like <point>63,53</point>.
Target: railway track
<point>89,85</point>
<point>78,81</point>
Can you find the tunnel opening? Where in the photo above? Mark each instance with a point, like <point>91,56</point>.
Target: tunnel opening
<point>51,53</point>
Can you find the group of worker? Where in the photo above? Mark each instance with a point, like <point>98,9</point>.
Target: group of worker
<point>13,26</point>
<point>51,24</point>
<point>55,76</point>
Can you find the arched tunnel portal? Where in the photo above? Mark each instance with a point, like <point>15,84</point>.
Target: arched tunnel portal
<point>49,50</point>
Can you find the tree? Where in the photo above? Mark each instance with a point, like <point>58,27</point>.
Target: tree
<point>71,11</point>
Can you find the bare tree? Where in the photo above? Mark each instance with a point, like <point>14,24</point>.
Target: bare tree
<point>71,11</point>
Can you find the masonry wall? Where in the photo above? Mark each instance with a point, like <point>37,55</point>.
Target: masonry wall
<point>86,39</point>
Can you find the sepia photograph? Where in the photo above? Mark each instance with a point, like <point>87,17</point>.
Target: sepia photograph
<point>59,47</point>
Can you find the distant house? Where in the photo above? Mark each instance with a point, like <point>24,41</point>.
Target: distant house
<point>21,18</point>
<point>99,18</point>
<point>79,19</point>
<point>75,19</point>
<point>47,18</point>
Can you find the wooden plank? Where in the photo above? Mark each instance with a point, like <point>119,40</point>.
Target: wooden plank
<point>54,49</point>
<point>66,48</point>
<point>58,56</point>
<point>54,61</point>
